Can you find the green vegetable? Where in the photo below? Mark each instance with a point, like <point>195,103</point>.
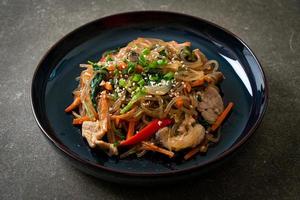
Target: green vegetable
<point>169,76</point>
<point>124,71</point>
<point>109,59</point>
<point>119,134</point>
<point>153,65</point>
<point>146,51</point>
<point>90,62</point>
<point>131,67</point>
<point>95,86</point>
<point>204,123</point>
<point>122,82</point>
<point>162,62</point>
<point>143,61</point>
<point>95,65</point>
<point>141,82</point>
<point>187,54</point>
<point>114,96</point>
<point>154,77</point>
<point>116,143</point>
<point>116,72</point>
<point>140,93</point>
<point>136,77</point>
<point>163,53</point>
<point>130,70</point>
<point>98,68</point>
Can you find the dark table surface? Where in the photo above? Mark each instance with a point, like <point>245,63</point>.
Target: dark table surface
<point>267,168</point>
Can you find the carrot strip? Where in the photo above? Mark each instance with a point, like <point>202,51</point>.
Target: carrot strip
<point>152,147</point>
<point>122,66</point>
<point>111,68</point>
<point>197,83</point>
<point>125,116</point>
<point>73,105</point>
<point>103,111</point>
<point>188,87</point>
<point>179,102</point>
<point>130,129</point>
<point>221,117</point>
<point>80,120</point>
<point>117,121</point>
<point>191,153</point>
<point>108,86</point>
<point>208,79</point>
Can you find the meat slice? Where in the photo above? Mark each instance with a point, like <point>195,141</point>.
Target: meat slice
<point>211,105</point>
<point>93,134</point>
<point>189,135</point>
<point>91,131</point>
<point>109,148</point>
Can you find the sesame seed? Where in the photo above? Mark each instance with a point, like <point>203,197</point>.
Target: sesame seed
<point>102,83</point>
<point>159,123</point>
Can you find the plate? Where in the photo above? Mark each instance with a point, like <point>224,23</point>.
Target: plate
<point>54,81</point>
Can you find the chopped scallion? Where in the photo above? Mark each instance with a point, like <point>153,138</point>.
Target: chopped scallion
<point>136,77</point>
<point>169,76</point>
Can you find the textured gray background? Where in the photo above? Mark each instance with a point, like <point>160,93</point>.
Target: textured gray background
<point>267,168</point>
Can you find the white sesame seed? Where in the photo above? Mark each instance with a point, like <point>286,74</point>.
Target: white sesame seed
<point>159,123</point>
<point>102,83</point>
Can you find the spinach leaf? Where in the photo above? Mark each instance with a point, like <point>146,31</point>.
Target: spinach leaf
<point>203,122</point>
<point>95,86</point>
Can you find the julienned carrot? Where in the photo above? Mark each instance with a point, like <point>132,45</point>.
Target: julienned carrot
<point>188,87</point>
<point>222,116</point>
<point>108,86</point>
<point>111,68</point>
<point>191,153</point>
<point>103,111</point>
<point>117,121</point>
<point>122,66</point>
<point>152,147</point>
<point>80,120</point>
<point>197,83</point>
<point>179,102</point>
<point>73,105</point>
<point>125,116</point>
<point>130,129</point>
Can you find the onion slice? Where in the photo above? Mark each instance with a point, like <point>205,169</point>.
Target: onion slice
<point>158,89</point>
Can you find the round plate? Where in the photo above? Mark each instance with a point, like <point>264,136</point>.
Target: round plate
<point>54,81</point>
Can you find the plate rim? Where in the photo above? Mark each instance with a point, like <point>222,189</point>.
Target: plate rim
<point>216,159</point>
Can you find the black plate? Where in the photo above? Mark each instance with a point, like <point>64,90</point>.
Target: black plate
<point>54,81</point>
